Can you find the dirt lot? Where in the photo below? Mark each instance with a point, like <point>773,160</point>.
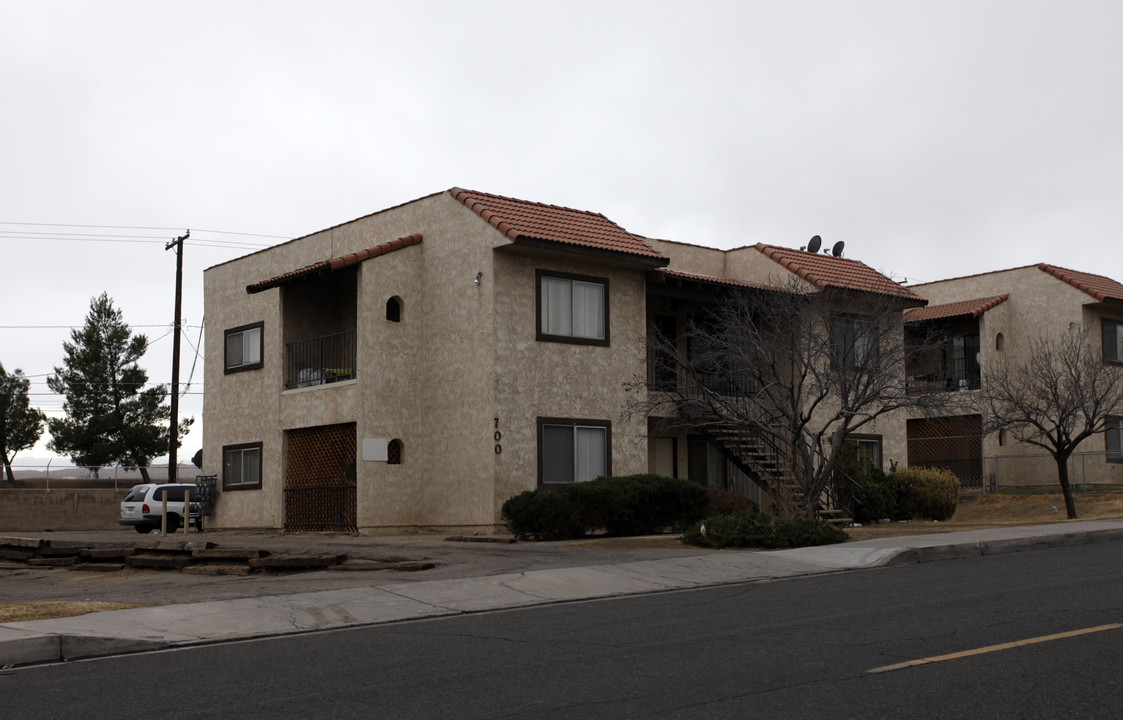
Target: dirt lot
<point>1001,511</point>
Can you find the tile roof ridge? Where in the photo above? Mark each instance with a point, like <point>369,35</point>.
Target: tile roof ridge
<point>531,222</point>
<point>973,307</point>
<point>461,193</point>
<point>336,263</point>
<point>373,252</point>
<point>775,252</point>
<point>1075,279</point>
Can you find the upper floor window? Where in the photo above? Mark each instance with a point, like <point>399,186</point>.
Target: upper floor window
<point>572,308</point>
<point>1113,341</point>
<point>243,348</point>
<point>852,340</point>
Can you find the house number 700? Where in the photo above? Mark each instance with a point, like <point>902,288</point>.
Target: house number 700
<point>498,437</point>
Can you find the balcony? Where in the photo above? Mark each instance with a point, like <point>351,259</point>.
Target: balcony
<point>320,361</point>
<point>956,374</point>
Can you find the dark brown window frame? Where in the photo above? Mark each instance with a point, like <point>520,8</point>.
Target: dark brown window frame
<point>574,422</point>
<point>1103,339</point>
<point>871,437</point>
<point>547,337</point>
<point>1107,456</point>
<point>226,487</point>
<point>225,345</point>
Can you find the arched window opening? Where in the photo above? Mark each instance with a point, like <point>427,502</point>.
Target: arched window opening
<point>999,342</point>
<point>394,309</point>
<point>394,452</point>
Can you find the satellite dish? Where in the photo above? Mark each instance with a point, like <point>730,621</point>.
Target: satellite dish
<point>815,244</point>
<point>837,249</point>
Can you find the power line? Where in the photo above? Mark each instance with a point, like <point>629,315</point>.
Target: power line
<point>8,235</point>
<point>75,327</point>
<point>140,227</point>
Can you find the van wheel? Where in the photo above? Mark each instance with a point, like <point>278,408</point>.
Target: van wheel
<point>173,523</point>
<point>143,529</point>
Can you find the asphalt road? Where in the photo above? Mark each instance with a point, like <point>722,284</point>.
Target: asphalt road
<point>802,648</point>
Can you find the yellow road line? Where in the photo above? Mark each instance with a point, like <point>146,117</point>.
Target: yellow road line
<point>994,648</point>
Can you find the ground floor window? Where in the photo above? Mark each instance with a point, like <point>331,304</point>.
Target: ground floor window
<point>862,452</point>
<point>573,450</point>
<point>1113,440</point>
<point>241,467</point>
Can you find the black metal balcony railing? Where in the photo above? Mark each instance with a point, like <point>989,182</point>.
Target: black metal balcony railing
<point>321,360</point>
<point>958,374</point>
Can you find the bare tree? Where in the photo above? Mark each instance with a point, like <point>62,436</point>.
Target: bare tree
<point>1060,397</point>
<point>778,379</point>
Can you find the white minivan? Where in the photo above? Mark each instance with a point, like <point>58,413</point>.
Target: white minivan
<point>143,506</point>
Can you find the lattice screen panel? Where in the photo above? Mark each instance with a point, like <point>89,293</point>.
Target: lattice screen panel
<point>320,479</point>
<point>954,443</point>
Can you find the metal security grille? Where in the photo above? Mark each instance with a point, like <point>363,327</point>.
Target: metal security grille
<point>954,443</point>
<point>320,479</point>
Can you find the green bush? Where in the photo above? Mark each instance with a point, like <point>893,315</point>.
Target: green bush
<point>877,498</point>
<point>542,515</point>
<point>626,505</point>
<point>757,530</point>
<point>924,492</point>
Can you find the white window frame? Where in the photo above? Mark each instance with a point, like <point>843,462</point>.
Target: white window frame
<point>252,340</point>
<point>572,308</point>
<point>234,470</point>
<point>582,464</point>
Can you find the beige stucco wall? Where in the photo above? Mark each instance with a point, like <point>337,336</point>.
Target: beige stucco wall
<point>745,264</point>
<point>462,365</point>
<point>536,379</point>
<point>1038,303</point>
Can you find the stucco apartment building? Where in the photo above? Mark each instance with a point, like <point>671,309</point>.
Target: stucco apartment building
<point>418,366</point>
<point>994,317</point>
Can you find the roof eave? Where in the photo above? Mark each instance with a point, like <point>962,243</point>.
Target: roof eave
<point>617,255</point>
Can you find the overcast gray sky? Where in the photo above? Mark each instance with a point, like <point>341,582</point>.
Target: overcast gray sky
<point>936,139</point>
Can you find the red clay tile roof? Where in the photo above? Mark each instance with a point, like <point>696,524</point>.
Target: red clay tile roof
<point>523,220</point>
<point>662,273</point>
<point>1100,287</point>
<point>827,271</point>
<point>974,308</point>
<point>338,263</point>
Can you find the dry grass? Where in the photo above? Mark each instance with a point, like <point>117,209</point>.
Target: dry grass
<point>46,609</point>
<point>1002,511</point>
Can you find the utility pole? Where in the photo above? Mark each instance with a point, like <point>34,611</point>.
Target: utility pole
<point>173,434</point>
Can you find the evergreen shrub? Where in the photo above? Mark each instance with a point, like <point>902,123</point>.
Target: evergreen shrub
<point>877,498</point>
<point>757,530</point>
<point>627,505</point>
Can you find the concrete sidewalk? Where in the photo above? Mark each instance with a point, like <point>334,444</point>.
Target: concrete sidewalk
<point>169,626</point>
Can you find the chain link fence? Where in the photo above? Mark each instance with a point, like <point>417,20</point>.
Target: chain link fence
<point>60,474</point>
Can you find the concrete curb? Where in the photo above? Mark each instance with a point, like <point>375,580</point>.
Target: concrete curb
<point>161,627</point>
<point>954,551</point>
